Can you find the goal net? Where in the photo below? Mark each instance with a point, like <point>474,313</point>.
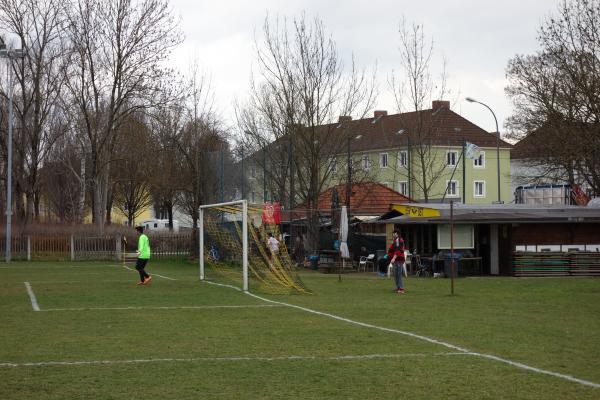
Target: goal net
<point>235,250</point>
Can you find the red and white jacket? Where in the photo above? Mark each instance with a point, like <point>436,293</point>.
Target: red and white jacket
<point>397,249</point>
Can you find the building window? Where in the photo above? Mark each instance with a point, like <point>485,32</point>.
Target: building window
<point>383,160</point>
<point>479,188</point>
<point>366,162</point>
<point>253,197</point>
<point>451,158</point>
<point>388,185</point>
<point>253,171</point>
<point>451,189</point>
<point>479,162</point>
<point>402,158</point>
<point>403,188</point>
<point>333,165</point>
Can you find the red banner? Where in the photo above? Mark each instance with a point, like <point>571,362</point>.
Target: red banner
<point>271,213</point>
<point>580,197</point>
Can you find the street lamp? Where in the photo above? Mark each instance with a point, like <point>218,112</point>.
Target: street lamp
<point>472,100</point>
<point>349,160</point>
<point>9,54</point>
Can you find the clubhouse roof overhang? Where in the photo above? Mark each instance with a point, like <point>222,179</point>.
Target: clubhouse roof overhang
<point>496,214</point>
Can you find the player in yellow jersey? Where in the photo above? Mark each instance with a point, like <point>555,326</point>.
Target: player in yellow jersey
<point>143,252</point>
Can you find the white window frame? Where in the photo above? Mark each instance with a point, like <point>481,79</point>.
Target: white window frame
<point>365,161</point>
<point>400,185</point>
<point>455,158</point>
<point>402,158</point>
<point>383,160</point>
<point>456,188</point>
<point>475,194</point>
<point>481,159</point>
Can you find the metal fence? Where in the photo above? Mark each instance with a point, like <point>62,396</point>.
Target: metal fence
<point>82,248</point>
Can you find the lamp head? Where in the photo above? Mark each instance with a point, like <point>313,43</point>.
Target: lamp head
<point>470,100</point>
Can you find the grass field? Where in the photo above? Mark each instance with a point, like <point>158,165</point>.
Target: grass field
<point>99,336</point>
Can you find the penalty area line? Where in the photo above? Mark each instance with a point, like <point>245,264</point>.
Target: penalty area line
<point>34,303</point>
<point>438,342</point>
<point>229,359</point>
<point>160,307</point>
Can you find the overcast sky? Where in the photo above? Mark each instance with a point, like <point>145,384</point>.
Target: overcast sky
<point>476,37</point>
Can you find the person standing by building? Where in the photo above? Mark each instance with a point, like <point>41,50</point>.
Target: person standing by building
<point>143,253</point>
<point>396,256</point>
<point>273,244</point>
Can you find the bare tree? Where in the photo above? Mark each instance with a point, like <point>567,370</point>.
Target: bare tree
<point>131,172</point>
<point>200,135</point>
<point>117,51</point>
<point>291,116</point>
<point>39,26</point>
<point>556,98</point>
<point>414,91</point>
<point>165,171</point>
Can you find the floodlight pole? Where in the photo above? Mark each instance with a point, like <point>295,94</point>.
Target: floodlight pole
<point>452,265</point>
<point>9,54</point>
<point>9,167</point>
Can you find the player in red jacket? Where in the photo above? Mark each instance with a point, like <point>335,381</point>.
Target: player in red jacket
<point>396,255</point>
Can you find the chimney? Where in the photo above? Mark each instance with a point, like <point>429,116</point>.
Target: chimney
<point>344,118</point>
<point>379,113</point>
<point>437,104</point>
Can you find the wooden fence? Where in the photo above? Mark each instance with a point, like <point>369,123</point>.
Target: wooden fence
<point>81,248</point>
<point>556,264</point>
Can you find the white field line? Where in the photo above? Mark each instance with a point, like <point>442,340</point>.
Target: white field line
<point>160,307</point>
<point>54,267</point>
<point>226,359</point>
<point>34,303</point>
<point>160,276</point>
<point>435,341</point>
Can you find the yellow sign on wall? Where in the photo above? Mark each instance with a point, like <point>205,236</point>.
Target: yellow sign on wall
<point>416,211</point>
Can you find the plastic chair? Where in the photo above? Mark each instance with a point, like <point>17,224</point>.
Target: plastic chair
<point>364,262</point>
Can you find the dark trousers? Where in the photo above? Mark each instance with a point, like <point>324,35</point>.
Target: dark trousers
<point>140,264</point>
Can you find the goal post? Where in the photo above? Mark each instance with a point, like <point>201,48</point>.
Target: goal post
<point>234,248</point>
<point>244,204</point>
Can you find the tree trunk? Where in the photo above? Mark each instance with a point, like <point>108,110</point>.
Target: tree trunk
<point>81,203</point>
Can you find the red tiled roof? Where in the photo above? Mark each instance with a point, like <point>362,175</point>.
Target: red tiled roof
<point>431,127</point>
<point>445,128</point>
<point>368,198</point>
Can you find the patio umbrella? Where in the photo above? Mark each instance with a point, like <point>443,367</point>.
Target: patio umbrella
<point>344,252</point>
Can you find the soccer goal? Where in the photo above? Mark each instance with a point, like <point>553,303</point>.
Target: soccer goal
<point>235,250</point>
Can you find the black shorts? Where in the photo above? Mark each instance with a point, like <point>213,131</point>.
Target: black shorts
<point>141,263</point>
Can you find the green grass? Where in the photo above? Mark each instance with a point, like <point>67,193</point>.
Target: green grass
<point>258,352</point>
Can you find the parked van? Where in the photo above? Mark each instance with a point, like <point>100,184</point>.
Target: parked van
<point>151,225</point>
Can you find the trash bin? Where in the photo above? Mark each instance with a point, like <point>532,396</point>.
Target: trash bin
<point>448,265</point>
<point>314,261</point>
